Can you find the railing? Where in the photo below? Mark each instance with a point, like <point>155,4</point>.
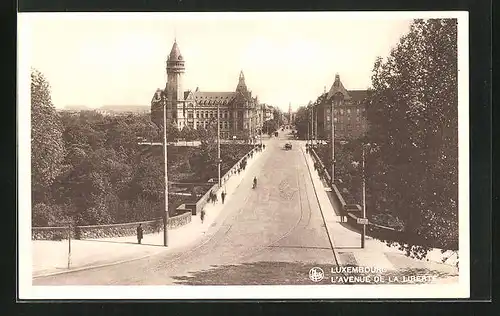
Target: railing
<point>198,206</point>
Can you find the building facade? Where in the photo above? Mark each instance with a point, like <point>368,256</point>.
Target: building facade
<point>239,112</point>
<point>267,112</point>
<point>349,112</point>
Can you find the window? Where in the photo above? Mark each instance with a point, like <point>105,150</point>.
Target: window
<point>341,112</point>
<point>348,111</point>
<point>190,115</point>
<point>357,111</point>
<point>335,119</point>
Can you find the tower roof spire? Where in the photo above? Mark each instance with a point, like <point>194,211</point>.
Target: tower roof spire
<point>175,53</point>
<point>241,83</point>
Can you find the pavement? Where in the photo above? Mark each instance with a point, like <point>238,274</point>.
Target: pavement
<point>347,241</point>
<point>92,253</point>
<point>273,234</point>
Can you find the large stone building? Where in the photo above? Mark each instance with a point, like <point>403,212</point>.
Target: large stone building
<point>240,113</point>
<point>349,115</point>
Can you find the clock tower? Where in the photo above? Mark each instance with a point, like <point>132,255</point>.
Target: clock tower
<point>174,89</point>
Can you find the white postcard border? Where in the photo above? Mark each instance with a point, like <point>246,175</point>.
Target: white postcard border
<point>27,291</point>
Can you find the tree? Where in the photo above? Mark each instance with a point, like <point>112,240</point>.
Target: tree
<point>205,162</point>
<point>270,126</point>
<point>47,146</point>
<point>413,116</point>
<point>188,134</point>
<point>173,132</point>
<point>301,122</point>
<point>278,116</point>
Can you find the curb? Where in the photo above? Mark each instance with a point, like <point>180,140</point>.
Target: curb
<point>94,266</point>
<point>335,254</point>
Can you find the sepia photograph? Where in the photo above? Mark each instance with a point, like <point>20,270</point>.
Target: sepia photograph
<point>263,155</point>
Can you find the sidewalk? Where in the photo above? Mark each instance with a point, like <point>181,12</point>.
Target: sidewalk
<point>347,242</point>
<point>51,257</point>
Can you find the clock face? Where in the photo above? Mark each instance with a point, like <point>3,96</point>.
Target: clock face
<point>180,57</point>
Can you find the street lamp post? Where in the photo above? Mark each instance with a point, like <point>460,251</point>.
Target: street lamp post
<point>312,125</point>
<point>333,143</point>
<point>308,132</point>
<point>262,122</point>
<point>218,144</point>
<point>316,127</point>
<point>363,232</point>
<point>165,218</point>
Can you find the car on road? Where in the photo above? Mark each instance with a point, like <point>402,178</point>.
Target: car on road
<point>288,146</point>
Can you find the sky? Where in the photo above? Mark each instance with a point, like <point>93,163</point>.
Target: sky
<point>287,58</point>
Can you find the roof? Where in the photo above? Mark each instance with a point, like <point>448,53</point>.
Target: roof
<point>175,53</point>
<point>358,95</point>
<point>338,87</point>
<point>214,95</point>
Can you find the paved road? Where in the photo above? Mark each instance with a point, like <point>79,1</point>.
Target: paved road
<point>269,235</point>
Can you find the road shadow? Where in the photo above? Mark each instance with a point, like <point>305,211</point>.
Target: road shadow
<point>122,242</point>
<point>297,273</point>
<point>254,273</point>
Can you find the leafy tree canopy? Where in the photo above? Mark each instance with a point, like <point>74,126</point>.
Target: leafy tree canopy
<point>413,116</point>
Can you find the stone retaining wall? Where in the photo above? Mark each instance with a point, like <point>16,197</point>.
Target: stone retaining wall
<point>107,231</point>
<point>50,233</point>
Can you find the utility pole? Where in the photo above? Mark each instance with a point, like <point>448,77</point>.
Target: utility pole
<point>263,107</point>
<point>308,131</point>
<point>165,218</point>
<point>333,143</point>
<point>316,127</point>
<point>312,124</point>
<point>363,233</point>
<point>69,245</point>
<point>218,144</point>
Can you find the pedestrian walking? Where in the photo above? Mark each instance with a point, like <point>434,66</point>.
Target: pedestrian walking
<point>202,215</point>
<point>223,196</point>
<point>139,233</point>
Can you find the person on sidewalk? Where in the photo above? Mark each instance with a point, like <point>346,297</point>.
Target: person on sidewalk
<point>139,233</point>
<point>202,215</point>
<point>223,196</point>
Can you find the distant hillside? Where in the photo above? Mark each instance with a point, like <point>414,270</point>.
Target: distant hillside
<point>125,108</point>
<point>76,108</point>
